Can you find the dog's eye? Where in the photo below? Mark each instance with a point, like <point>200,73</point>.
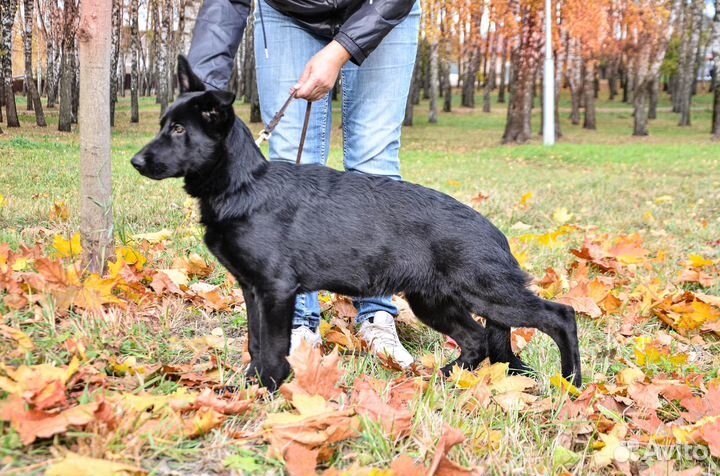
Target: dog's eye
<point>178,129</point>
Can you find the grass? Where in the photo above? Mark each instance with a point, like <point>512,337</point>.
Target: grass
<point>607,179</point>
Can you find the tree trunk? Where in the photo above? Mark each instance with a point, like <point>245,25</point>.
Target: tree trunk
<point>640,127</point>
<point>518,127</point>
<point>715,48</point>
<point>489,73</point>
<point>96,225</point>
<point>134,60</point>
<point>251,90</point>
<point>114,57</point>
<point>589,91</point>
<point>574,76</point>
<point>50,75</point>
<point>162,55</point>
<point>9,7</point>
<point>612,79</point>
<point>414,90</point>
<point>654,96</point>
<point>687,64</point>
<point>434,53</point>
<point>503,71</point>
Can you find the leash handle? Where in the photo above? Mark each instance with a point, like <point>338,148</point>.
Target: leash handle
<point>306,123</point>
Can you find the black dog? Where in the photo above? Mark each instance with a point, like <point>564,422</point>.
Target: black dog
<point>283,229</point>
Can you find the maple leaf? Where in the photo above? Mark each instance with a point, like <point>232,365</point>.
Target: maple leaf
<point>204,420</point>
<point>667,468</point>
<point>33,424</point>
<point>38,384</point>
<point>525,200</point>
<point>686,312</point>
<point>562,216</point>
<point>315,425</point>
<point>194,266</point>
<point>696,276</point>
<point>226,406</point>
<point>440,463</point>
<point>155,237</point>
<point>131,256</point>
<point>23,340</point>
<point>697,261</point>
<point>404,465</point>
<point>613,449</point>
<point>314,374</point>
<point>479,199</point>
<point>394,421</point>
<point>59,212</point>
<point>96,292</point>
<point>74,464</point>
<point>645,395</point>
<point>68,249</point>
<point>300,460</point>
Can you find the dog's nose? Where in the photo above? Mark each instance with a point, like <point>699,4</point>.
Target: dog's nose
<point>138,161</point>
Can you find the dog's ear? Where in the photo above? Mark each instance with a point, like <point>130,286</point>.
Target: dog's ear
<point>214,106</point>
<point>187,80</point>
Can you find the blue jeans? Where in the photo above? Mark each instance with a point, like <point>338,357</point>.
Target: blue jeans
<point>374,96</point>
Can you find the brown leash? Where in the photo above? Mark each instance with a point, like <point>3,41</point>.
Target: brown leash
<point>265,133</point>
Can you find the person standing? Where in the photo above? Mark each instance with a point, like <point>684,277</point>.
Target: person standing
<point>301,48</point>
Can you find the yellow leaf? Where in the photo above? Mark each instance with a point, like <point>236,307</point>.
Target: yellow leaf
<point>204,420</point>
<point>561,216</point>
<point>76,465</point>
<point>20,264</point>
<point>177,276</point>
<point>155,237</point>
<point>662,199</point>
<point>613,449</point>
<point>629,376</point>
<point>68,249</point>
<point>561,383</point>
<point>697,261</point>
<point>131,257</point>
<point>525,200</point>
<point>22,339</point>
<point>462,378</point>
<point>59,212</point>
<point>3,202</point>
<point>648,217</point>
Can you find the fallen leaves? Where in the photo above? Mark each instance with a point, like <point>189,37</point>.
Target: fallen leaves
<point>77,465</point>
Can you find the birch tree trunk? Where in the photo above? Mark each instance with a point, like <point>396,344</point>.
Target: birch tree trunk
<point>434,80</point>
<point>503,71</point>
<point>66,73</point>
<point>9,7</point>
<point>589,92</point>
<point>518,127</point>
<point>32,88</point>
<point>162,57</point>
<point>114,57</point>
<point>414,90</point>
<point>715,48</point>
<point>687,65</point>
<point>489,72</point>
<point>575,79</point>
<point>134,59</point>
<point>96,225</point>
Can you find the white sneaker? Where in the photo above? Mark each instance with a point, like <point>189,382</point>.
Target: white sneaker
<point>303,333</point>
<point>382,338</point>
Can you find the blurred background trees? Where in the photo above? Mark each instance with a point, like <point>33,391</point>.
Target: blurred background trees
<point>473,53</point>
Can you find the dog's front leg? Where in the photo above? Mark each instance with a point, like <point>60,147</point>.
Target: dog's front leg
<point>275,326</point>
<point>253,317</point>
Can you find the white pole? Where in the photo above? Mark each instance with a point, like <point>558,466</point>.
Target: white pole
<point>548,81</point>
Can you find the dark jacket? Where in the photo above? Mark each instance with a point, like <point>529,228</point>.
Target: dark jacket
<point>358,25</point>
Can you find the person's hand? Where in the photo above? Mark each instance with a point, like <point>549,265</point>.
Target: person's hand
<point>321,72</point>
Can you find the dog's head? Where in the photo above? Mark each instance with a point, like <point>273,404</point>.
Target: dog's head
<point>190,130</point>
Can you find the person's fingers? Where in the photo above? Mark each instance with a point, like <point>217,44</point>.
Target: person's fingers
<point>302,81</point>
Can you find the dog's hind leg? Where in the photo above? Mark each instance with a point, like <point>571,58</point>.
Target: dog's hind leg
<point>500,347</point>
<point>452,320</point>
<point>555,320</point>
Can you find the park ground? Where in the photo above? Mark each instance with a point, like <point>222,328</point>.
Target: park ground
<point>643,213</point>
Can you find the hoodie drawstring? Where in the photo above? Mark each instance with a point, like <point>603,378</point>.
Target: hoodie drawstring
<point>262,25</point>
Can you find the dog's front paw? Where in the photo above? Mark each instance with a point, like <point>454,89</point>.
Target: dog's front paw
<point>269,376</point>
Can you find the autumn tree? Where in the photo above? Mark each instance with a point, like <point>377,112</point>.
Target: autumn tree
<point>525,60</point>
<point>134,62</point>
<point>67,65</point>
<point>715,51</point>
<point>650,25</point>
<point>96,223</point>
<point>692,24</point>
<point>32,90</point>
<point>8,8</point>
